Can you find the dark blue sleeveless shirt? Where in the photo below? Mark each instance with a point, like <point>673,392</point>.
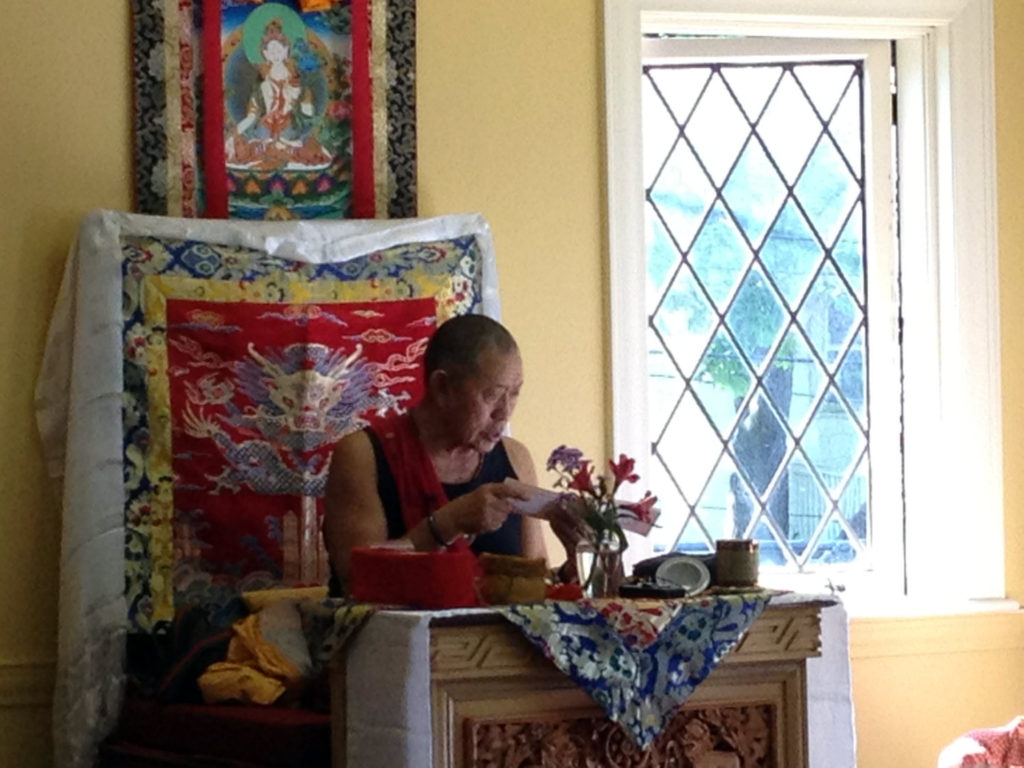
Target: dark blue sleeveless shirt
<point>495,467</point>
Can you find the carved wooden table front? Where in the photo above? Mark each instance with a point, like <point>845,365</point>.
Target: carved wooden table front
<point>498,703</point>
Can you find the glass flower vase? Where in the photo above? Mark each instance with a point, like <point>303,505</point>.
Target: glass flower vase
<point>599,565</point>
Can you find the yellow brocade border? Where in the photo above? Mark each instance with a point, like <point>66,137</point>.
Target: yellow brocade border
<point>186,84</point>
<point>172,109</point>
<point>282,288</point>
<point>379,98</point>
<point>158,455</point>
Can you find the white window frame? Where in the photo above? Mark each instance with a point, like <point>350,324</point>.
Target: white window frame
<point>952,413</point>
<point>885,573</point>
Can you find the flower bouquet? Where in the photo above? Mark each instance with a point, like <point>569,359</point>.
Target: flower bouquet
<point>592,498</point>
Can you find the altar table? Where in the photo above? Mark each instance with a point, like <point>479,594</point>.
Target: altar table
<point>466,689</point>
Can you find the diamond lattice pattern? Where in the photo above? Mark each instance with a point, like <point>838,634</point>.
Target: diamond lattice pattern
<point>755,297</point>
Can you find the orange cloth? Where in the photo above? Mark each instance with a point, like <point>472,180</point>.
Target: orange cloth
<point>256,670</point>
<point>227,681</point>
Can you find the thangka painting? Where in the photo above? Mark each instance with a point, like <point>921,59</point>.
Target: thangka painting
<point>275,110</point>
<point>286,107</point>
<point>241,372</point>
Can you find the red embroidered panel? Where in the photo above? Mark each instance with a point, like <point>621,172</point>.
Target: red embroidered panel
<point>259,395</point>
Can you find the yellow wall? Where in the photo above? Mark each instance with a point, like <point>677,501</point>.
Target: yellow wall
<point>509,119</point>
<point>64,149</point>
<point>510,124</point>
<point>920,683</point>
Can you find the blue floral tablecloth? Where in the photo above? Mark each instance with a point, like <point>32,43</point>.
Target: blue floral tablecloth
<point>639,659</point>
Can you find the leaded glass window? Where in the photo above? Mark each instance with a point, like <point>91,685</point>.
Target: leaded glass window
<point>757,254</point>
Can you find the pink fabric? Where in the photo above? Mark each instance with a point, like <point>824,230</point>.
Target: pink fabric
<point>1001,747</point>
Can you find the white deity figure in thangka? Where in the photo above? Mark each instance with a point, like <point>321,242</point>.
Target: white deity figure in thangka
<point>303,398</point>
<point>281,121</point>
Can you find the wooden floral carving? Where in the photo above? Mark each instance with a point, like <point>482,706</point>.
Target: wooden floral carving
<point>717,737</point>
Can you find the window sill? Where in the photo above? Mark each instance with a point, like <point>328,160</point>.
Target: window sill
<point>865,596</point>
<point>873,607</point>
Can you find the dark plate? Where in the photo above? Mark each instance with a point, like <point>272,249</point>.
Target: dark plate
<point>651,590</point>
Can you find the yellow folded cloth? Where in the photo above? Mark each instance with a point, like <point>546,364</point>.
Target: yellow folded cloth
<point>267,656</point>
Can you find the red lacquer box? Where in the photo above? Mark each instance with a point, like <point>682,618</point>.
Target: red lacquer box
<point>429,580</point>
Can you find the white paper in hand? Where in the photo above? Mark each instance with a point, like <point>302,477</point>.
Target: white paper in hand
<point>539,498</point>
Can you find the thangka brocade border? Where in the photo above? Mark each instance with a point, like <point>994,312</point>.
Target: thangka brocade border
<point>401,123</point>
<point>173,120</point>
<point>149,107</point>
<point>154,271</point>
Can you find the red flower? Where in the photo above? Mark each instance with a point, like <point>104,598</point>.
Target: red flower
<point>623,471</point>
<point>581,481</point>
<point>643,509</point>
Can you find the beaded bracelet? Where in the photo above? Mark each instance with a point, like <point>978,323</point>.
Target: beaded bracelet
<point>436,532</point>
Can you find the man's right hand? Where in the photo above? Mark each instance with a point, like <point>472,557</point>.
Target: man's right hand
<point>482,511</point>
